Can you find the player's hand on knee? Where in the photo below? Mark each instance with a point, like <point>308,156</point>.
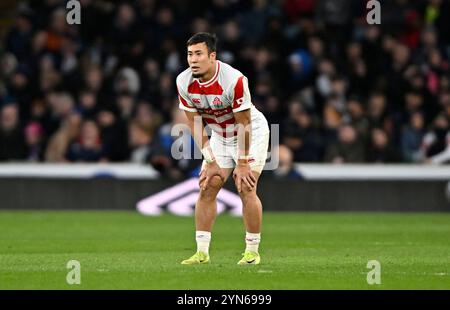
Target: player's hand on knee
<point>243,175</point>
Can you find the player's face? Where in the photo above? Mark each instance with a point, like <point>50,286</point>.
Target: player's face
<point>199,60</point>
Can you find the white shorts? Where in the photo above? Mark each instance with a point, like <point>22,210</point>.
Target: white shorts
<point>226,151</point>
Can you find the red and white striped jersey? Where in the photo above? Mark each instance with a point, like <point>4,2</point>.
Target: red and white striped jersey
<point>218,99</point>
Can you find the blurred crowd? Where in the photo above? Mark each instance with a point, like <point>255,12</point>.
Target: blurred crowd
<point>341,90</point>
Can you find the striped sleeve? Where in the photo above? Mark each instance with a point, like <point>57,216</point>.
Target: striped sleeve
<point>241,95</point>
<point>184,102</point>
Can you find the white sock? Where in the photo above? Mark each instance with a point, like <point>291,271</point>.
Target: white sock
<point>203,239</point>
<point>252,242</point>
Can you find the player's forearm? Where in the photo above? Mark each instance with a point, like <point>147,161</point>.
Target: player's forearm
<point>201,139</point>
<point>198,132</point>
<point>244,141</point>
<point>244,131</point>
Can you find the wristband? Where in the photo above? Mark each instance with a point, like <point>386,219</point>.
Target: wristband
<point>208,154</point>
<point>244,157</point>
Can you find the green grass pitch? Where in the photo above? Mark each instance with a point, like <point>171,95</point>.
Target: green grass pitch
<point>124,250</point>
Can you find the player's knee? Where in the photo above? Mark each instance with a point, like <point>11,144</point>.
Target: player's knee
<point>214,185</point>
<point>245,189</point>
<point>247,193</point>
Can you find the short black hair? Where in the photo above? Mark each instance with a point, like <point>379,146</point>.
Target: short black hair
<point>210,39</point>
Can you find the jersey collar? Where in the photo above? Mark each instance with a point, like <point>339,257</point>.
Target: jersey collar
<point>213,79</point>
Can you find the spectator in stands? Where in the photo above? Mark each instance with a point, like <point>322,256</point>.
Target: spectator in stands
<point>113,133</point>
<point>301,136</point>
<point>140,138</point>
<point>380,149</point>
<point>332,119</point>
<point>285,169</point>
<point>348,149</point>
<point>147,116</point>
<point>413,103</point>
<point>87,103</point>
<point>88,147</point>
<point>412,136</point>
<point>126,105</point>
<point>17,41</point>
<point>127,81</point>
<point>93,80</point>
<point>377,112</point>
<point>34,138</point>
<point>60,141</point>
<point>12,142</point>
<point>357,117</point>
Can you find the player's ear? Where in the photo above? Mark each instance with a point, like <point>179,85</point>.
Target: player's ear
<point>213,56</point>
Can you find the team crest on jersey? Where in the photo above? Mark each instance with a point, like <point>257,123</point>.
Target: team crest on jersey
<point>217,102</point>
